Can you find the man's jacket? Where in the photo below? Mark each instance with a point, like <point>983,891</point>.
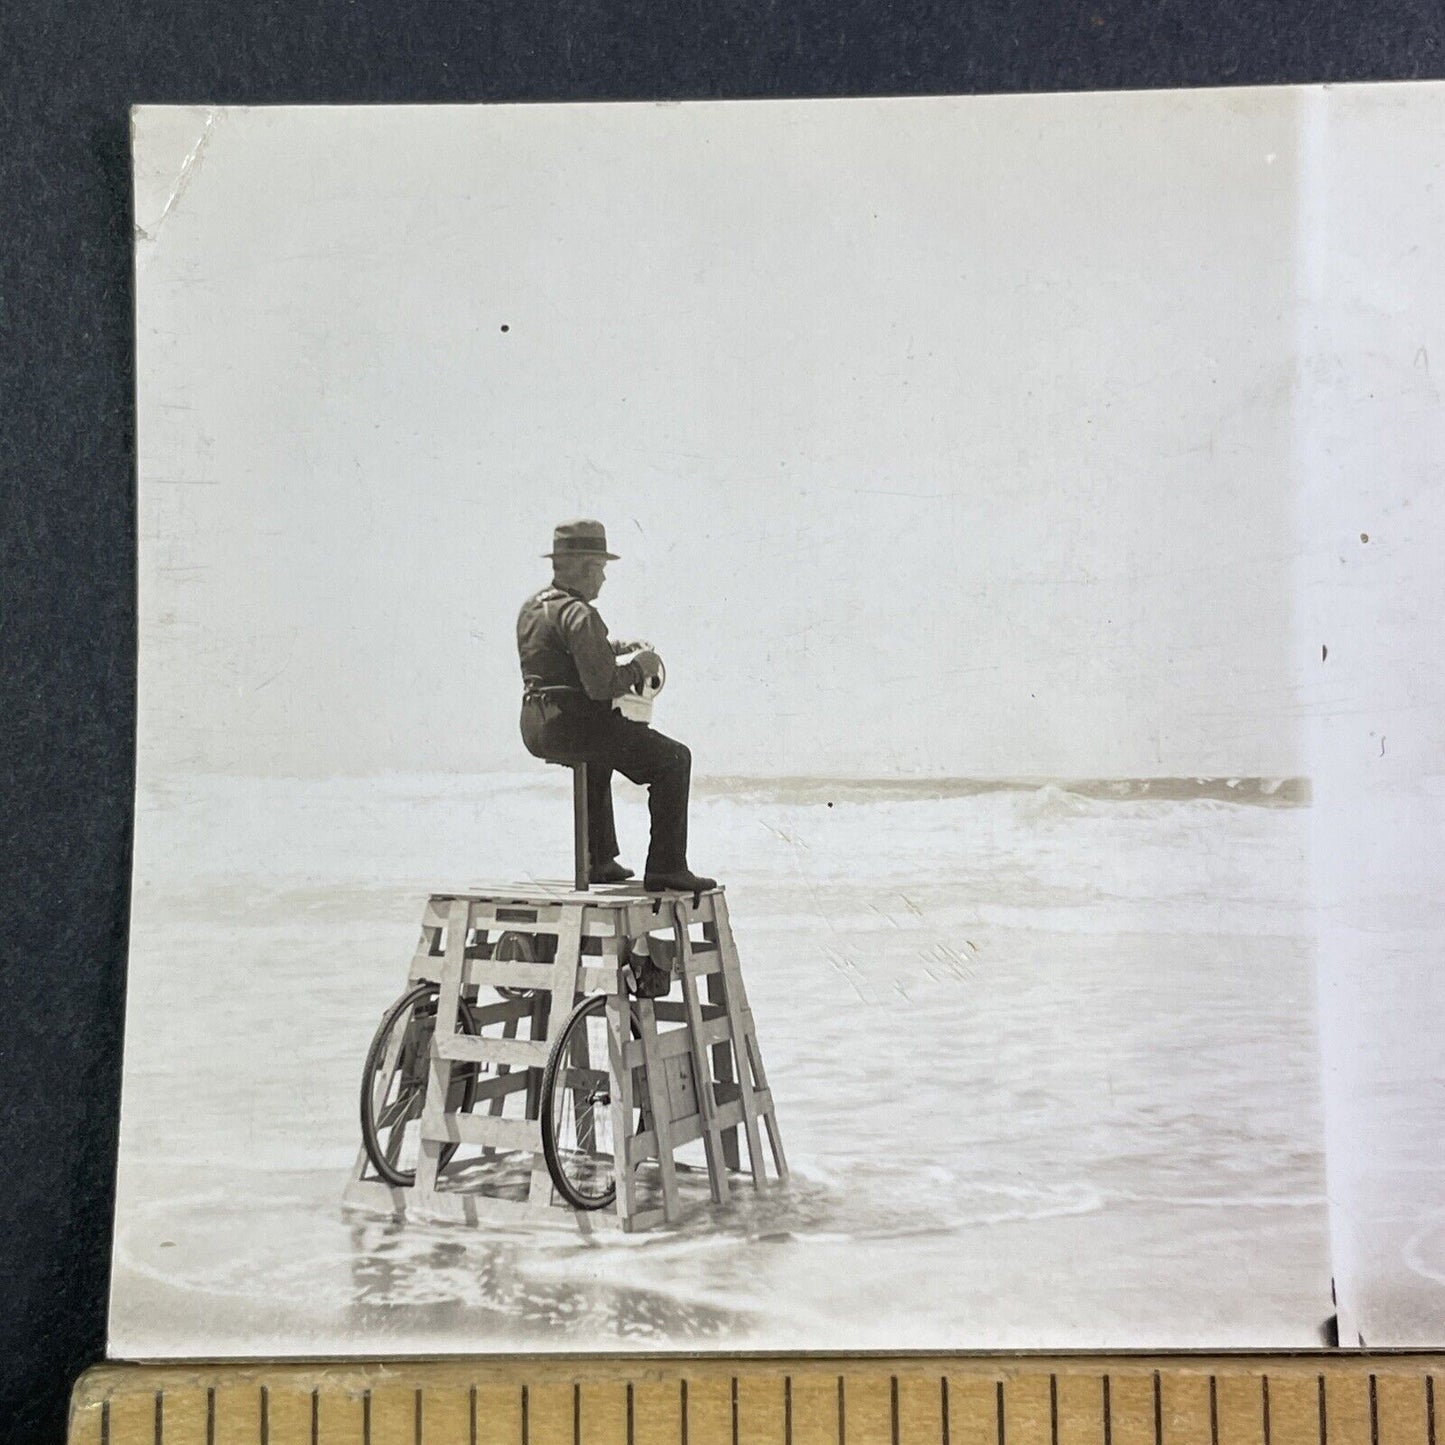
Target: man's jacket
<point>563,647</point>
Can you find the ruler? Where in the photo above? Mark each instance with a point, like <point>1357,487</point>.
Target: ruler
<point>1325,1399</point>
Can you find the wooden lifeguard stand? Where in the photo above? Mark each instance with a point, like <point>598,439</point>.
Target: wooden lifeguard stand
<point>682,1069</point>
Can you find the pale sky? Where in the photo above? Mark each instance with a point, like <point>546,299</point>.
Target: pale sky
<point>938,436</point>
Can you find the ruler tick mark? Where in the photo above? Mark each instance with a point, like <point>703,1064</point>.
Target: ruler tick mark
<point>1429,1410</point>
<point>893,1407</point>
<point>1053,1408</point>
<point>1374,1414</point>
<point>630,1416</point>
<point>417,1417</point>
<point>842,1414</point>
<point>943,1406</point>
<point>682,1405</point>
<point>160,1416</point>
<point>1264,1405</point>
<point>366,1416</point>
<point>577,1412</point>
<point>1213,1410</point>
<point>998,1410</point>
<point>105,1422</point>
<point>787,1410</point>
<point>1323,1409</point>
<point>265,1411</point>
<point>472,1416</point>
<point>524,1415</point>
<point>210,1415</point>
<point>315,1416</point>
<point>1108,1414</point>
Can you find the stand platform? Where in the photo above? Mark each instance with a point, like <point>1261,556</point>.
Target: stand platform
<point>504,957</point>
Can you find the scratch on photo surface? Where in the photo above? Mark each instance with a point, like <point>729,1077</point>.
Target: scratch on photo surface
<point>819,907</point>
<point>849,970</point>
<point>792,842</point>
<point>285,663</point>
<point>189,167</point>
<point>882,913</point>
<point>954,963</point>
<point>887,492</point>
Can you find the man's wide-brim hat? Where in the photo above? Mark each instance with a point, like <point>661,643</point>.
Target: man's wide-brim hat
<point>582,538</point>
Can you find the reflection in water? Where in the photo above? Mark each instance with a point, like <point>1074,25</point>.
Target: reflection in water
<point>409,1279</point>
<point>415,1277</point>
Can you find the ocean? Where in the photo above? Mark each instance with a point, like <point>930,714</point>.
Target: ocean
<point>1044,1058</point>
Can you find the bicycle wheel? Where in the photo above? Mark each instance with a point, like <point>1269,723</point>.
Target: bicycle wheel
<point>578,1142</point>
<point>514,947</point>
<point>394,1080</point>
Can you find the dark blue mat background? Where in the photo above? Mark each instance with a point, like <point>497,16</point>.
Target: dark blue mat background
<point>68,73</point>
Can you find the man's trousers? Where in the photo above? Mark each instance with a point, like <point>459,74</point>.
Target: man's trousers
<point>572,728</point>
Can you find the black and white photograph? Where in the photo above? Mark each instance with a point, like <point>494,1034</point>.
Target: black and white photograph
<point>786,725</point>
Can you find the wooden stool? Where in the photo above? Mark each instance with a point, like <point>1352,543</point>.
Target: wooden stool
<point>581,857</point>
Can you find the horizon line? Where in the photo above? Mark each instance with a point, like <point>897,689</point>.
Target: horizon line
<point>866,780</point>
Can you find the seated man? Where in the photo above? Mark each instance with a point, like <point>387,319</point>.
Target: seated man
<point>570,675</point>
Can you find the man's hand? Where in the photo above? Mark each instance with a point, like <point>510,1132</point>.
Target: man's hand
<point>623,648</point>
<point>649,661</point>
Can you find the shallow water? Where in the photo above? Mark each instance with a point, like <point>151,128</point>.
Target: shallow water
<point>1044,1065</point>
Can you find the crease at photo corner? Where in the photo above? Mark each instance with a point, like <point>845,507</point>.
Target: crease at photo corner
<point>177,138</point>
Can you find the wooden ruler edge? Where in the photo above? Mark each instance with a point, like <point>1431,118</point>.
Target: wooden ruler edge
<point>107,1381</point>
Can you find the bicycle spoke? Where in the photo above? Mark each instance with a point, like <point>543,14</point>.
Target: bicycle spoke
<point>394,1141</point>
<point>399,1110</point>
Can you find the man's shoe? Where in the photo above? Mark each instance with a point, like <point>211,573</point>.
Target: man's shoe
<point>612,872</point>
<point>679,882</point>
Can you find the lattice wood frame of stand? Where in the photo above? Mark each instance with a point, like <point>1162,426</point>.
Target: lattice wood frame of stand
<point>1321,1399</point>
<point>713,1039</point>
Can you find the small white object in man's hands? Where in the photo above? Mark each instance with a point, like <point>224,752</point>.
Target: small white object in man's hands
<point>637,705</point>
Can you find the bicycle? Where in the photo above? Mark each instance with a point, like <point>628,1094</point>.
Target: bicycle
<point>575,1100</point>
<point>394,1080</point>
<point>392,1093</point>
<point>578,1140</point>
